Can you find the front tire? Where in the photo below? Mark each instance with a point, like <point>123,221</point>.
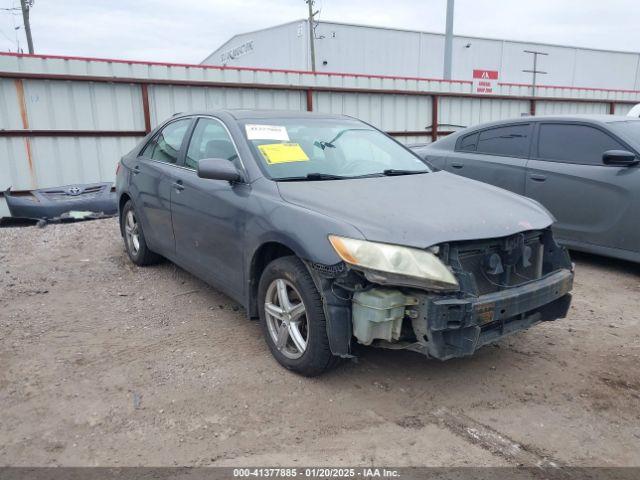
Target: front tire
<point>134,240</point>
<point>292,318</point>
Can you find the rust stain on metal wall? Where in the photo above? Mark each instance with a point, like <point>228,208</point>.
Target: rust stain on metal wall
<point>25,124</point>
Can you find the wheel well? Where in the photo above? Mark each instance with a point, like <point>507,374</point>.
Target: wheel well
<point>263,256</point>
<point>124,198</point>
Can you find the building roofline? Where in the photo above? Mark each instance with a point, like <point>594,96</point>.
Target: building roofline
<point>473,37</point>
<point>269,28</point>
<point>250,32</point>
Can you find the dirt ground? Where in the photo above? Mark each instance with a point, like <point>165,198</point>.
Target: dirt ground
<point>104,363</point>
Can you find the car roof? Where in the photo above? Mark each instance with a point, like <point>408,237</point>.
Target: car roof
<point>449,141</point>
<point>592,118</point>
<point>602,118</point>
<point>241,114</point>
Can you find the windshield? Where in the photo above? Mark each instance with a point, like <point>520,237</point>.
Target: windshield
<point>629,129</point>
<point>326,149</point>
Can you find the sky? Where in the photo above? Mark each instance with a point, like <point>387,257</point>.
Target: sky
<point>187,31</point>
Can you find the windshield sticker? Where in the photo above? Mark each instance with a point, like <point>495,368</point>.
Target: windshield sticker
<point>266,132</point>
<point>283,153</point>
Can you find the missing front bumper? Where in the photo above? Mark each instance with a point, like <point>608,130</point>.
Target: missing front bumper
<point>454,327</point>
<point>449,327</point>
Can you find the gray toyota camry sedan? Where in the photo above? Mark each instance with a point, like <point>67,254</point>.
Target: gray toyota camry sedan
<point>333,234</point>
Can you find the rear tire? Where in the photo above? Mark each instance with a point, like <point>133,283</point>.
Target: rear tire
<point>134,240</point>
<point>294,327</point>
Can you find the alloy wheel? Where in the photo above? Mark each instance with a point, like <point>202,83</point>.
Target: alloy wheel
<point>286,318</point>
<point>132,232</point>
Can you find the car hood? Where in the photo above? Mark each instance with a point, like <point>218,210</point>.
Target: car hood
<point>419,210</point>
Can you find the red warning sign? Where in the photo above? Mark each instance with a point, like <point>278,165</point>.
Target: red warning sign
<point>485,81</point>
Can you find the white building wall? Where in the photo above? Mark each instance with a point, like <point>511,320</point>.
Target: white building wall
<point>470,54</point>
<point>430,54</point>
<point>559,65</point>
<point>367,50</point>
<point>606,69</point>
<point>282,46</point>
<point>380,51</point>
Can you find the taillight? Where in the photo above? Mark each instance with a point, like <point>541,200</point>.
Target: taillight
<point>118,168</point>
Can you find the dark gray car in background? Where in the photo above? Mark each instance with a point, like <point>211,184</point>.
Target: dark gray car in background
<point>333,233</point>
<point>583,168</point>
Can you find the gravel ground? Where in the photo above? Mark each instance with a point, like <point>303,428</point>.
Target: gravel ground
<point>104,363</point>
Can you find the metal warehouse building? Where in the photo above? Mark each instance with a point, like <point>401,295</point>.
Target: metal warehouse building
<point>348,48</point>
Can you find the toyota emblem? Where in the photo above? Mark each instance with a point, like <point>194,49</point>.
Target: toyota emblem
<point>74,191</point>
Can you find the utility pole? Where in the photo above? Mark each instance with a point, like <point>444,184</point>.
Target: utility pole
<point>26,5</point>
<point>535,70</point>
<point>448,41</point>
<point>312,35</point>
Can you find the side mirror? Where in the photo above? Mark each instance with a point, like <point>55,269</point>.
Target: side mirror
<point>218,169</point>
<point>619,157</point>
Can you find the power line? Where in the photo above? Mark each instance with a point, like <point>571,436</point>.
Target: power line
<point>7,37</point>
<point>12,10</point>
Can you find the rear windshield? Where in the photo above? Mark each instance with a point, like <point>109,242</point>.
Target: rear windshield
<point>295,148</point>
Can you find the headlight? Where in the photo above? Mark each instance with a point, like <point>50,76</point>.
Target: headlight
<point>394,264</point>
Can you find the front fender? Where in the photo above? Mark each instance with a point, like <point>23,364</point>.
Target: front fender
<point>305,233</point>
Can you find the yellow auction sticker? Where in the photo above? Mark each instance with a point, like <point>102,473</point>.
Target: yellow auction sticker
<point>283,153</point>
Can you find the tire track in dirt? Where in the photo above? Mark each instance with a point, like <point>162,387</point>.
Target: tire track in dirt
<point>492,440</point>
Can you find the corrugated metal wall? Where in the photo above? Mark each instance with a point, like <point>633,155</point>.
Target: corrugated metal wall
<point>83,105</point>
<point>395,113</point>
<point>67,120</point>
<point>458,113</point>
<point>60,160</point>
<point>165,100</point>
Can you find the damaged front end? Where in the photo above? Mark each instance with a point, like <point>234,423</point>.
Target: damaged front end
<point>67,202</point>
<point>501,286</point>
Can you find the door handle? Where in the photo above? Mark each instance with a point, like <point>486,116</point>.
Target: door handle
<point>178,185</point>
<point>457,165</point>
<point>537,177</point>
<point>136,170</point>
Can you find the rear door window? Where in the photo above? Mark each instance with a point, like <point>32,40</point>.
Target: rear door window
<point>580,144</point>
<point>165,146</point>
<point>507,141</point>
<point>468,143</point>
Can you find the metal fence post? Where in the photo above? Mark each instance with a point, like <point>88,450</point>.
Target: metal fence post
<point>145,107</point>
<point>309,100</point>
<point>434,117</point>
